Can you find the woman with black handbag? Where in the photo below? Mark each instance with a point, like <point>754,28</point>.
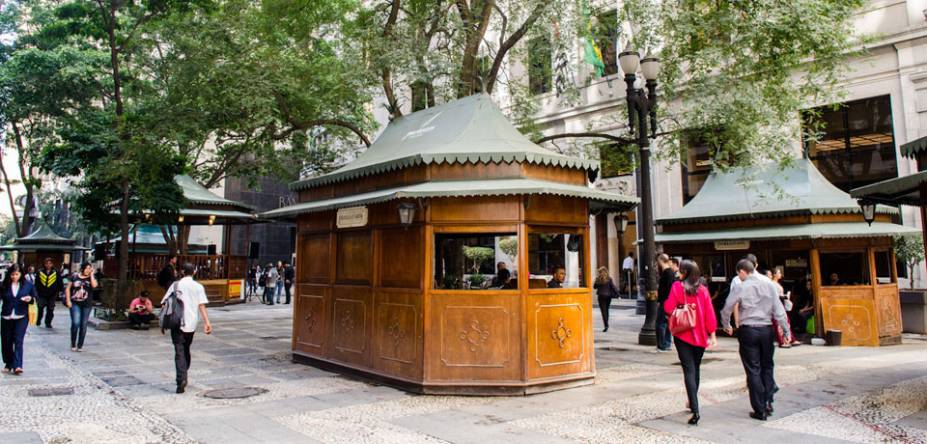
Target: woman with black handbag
<point>692,322</point>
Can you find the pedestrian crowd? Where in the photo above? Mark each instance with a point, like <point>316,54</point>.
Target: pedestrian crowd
<point>272,282</point>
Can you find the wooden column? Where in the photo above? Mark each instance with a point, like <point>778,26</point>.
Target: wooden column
<point>601,240</point>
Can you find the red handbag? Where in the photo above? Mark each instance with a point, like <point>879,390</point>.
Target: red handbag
<point>682,319</point>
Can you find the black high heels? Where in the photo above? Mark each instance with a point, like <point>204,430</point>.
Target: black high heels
<point>694,419</point>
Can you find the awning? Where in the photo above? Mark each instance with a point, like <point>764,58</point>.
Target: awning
<point>804,231</point>
<point>913,147</point>
<point>462,188</point>
<point>903,190</point>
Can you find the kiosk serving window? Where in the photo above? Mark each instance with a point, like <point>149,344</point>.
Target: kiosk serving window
<point>476,261</point>
<point>555,260</point>
<point>839,269</point>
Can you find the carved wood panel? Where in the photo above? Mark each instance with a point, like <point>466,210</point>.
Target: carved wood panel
<point>314,263</point>
<point>397,332</point>
<point>889,309</point>
<point>559,327</point>
<point>351,324</point>
<point>855,316</point>
<point>310,323</point>
<point>475,336</point>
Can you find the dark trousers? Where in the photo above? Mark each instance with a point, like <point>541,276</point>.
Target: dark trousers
<point>79,317</point>
<point>756,353</point>
<point>604,303</point>
<point>12,336</point>
<point>690,357</point>
<point>140,319</point>
<point>286,287</point>
<point>182,341</point>
<point>664,337</point>
<point>269,294</point>
<point>46,306</point>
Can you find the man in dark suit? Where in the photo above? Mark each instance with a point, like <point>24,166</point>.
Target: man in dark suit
<point>559,277</point>
<point>289,275</point>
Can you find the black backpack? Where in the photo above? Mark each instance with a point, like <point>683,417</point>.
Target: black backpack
<point>171,311</point>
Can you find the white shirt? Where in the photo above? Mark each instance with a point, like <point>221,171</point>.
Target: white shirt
<point>628,263</point>
<point>736,281</point>
<point>192,294</point>
<point>14,287</point>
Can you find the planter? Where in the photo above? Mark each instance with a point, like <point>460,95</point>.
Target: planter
<point>914,311</point>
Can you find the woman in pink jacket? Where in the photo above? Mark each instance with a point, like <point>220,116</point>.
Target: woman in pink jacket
<point>691,343</point>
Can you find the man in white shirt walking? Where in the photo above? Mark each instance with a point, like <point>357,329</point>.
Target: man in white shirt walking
<point>627,269</point>
<point>193,296</point>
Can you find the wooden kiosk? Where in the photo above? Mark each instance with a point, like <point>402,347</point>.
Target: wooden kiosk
<point>400,252</point>
<point>42,243</point>
<point>223,275</point>
<point>796,219</point>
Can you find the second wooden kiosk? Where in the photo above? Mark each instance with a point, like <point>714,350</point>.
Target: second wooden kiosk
<point>450,257</point>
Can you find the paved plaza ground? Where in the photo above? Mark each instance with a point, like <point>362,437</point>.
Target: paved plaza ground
<point>120,390</point>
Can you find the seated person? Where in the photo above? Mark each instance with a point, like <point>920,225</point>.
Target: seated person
<point>559,277</point>
<point>835,280</point>
<point>503,279</point>
<point>140,311</point>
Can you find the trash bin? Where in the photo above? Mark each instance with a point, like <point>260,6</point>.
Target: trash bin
<point>833,337</point>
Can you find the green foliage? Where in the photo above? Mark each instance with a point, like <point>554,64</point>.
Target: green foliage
<point>509,246</point>
<point>740,70</point>
<point>910,251</point>
<point>478,255</point>
<point>476,280</point>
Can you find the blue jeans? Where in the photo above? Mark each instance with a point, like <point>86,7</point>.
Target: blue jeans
<point>269,295</point>
<point>664,338</point>
<point>279,291</point>
<point>13,333</point>
<point>79,317</point>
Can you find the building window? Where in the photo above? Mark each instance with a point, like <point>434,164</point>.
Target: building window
<point>616,159</point>
<point>697,167</point>
<point>539,65</point>
<point>555,260</point>
<point>476,261</point>
<point>855,143</point>
<point>605,35</point>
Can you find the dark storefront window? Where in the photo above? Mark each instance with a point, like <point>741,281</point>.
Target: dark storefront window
<point>539,65</point>
<point>856,143</point>
<point>883,260</point>
<point>838,269</point>
<point>471,261</point>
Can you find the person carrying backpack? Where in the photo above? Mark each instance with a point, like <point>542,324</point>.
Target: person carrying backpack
<point>188,298</point>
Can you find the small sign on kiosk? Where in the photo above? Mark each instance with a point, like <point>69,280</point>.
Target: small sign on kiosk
<point>351,217</point>
<point>732,245</point>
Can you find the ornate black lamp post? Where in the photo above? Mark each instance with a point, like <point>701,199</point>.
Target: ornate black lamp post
<point>642,106</point>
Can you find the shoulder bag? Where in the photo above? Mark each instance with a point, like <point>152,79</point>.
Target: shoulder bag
<point>683,317</point>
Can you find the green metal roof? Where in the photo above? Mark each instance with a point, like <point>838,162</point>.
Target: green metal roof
<point>766,191</point>
<point>903,190</point>
<point>461,188</point>
<point>197,194</point>
<point>42,247</point>
<point>472,129</point>
<point>913,147</point>
<point>804,231</point>
<point>45,235</point>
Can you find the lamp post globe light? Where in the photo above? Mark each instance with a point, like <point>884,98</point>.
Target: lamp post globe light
<point>642,122</point>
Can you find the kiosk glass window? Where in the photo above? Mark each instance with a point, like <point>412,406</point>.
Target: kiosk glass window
<point>555,260</point>
<point>883,262</point>
<point>855,143</point>
<point>839,269</point>
<point>476,261</point>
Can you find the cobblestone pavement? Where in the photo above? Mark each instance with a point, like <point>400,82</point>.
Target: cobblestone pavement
<point>120,390</point>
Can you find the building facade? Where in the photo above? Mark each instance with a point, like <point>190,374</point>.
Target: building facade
<point>884,106</point>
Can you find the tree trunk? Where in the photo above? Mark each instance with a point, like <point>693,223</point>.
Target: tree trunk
<point>123,275</point>
<point>25,228</point>
<point>9,193</point>
<point>124,243</point>
<point>476,27</point>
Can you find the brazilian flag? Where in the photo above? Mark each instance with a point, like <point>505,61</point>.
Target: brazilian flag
<point>591,52</point>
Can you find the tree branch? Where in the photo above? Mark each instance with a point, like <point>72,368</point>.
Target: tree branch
<point>585,134</point>
<point>510,42</point>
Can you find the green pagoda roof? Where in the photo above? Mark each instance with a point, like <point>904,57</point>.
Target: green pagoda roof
<point>42,239</point>
<point>912,148</point>
<point>766,191</point>
<point>904,190</point>
<point>197,194</point>
<point>829,230</point>
<point>463,188</point>
<point>472,129</point>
